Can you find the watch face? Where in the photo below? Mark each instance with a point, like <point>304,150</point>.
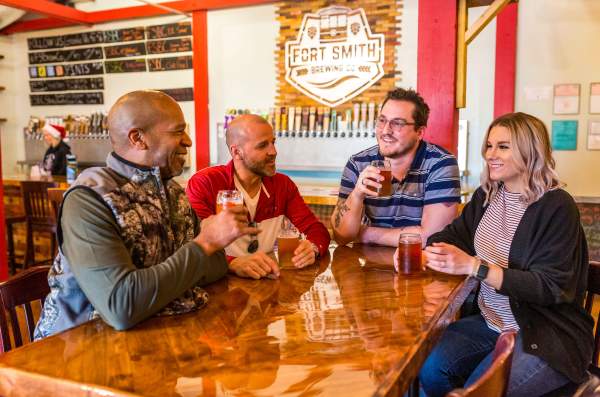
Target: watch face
<point>482,271</point>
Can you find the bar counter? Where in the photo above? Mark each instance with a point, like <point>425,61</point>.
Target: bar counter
<point>347,325</point>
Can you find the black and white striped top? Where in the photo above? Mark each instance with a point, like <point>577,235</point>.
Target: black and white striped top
<point>493,238</point>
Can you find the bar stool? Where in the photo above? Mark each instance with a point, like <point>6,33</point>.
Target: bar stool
<point>39,216</point>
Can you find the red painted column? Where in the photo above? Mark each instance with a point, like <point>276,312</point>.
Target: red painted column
<point>436,69</point>
<point>506,60</point>
<point>3,256</point>
<point>200,64</point>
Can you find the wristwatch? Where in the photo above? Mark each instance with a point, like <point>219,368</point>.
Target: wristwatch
<point>482,270</point>
<point>316,250</point>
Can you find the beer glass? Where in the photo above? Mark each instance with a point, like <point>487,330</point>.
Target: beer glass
<point>228,199</point>
<point>288,240</point>
<point>385,170</point>
<point>409,253</point>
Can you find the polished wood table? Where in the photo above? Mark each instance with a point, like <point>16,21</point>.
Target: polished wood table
<point>348,326</point>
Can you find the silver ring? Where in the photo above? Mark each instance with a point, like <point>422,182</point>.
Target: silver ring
<point>363,182</point>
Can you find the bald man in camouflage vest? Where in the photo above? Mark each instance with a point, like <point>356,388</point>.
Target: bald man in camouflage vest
<point>130,245</point>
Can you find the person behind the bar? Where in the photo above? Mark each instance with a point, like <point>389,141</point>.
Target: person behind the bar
<point>268,195</point>
<point>425,179</point>
<point>55,158</point>
<point>521,236</point>
<point>130,243</point>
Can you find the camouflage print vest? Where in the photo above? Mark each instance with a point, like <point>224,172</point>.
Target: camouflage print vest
<point>154,219</point>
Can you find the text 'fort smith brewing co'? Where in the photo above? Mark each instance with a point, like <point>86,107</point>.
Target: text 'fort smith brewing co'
<point>336,57</point>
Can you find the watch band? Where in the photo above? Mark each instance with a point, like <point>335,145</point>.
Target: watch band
<point>482,270</point>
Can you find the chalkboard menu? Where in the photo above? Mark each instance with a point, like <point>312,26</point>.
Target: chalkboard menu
<point>169,30</point>
<point>129,34</point>
<point>86,38</point>
<point>172,45</point>
<point>80,54</point>
<point>126,66</point>
<point>85,84</point>
<point>76,69</point>
<point>69,40</point>
<point>180,94</point>
<point>70,98</point>
<point>172,63</point>
<point>125,50</point>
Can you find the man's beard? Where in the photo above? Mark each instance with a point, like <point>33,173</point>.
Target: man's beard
<point>400,152</point>
<point>259,167</point>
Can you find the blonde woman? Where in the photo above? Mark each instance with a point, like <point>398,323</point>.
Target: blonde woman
<point>520,235</point>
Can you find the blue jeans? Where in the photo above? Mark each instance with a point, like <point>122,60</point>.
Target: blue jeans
<point>465,352</point>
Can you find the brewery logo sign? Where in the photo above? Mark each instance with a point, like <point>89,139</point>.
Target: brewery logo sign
<point>336,57</point>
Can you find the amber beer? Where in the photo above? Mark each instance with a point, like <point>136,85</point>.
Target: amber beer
<point>409,253</point>
<point>288,240</point>
<point>385,170</point>
<point>228,199</point>
<point>285,250</point>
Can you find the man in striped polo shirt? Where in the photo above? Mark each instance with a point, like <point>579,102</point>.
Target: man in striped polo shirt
<point>425,179</point>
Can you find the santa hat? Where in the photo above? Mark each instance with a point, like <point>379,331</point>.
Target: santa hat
<point>57,131</point>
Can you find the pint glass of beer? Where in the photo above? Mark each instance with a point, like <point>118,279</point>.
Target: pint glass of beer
<point>288,240</point>
<point>409,253</point>
<point>228,198</point>
<point>385,169</point>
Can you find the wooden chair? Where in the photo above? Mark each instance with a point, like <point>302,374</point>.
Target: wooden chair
<point>21,290</point>
<point>13,215</point>
<point>55,195</point>
<point>494,381</point>
<point>40,217</point>
<point>593,289</point>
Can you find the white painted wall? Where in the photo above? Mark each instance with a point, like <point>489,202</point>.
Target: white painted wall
<point>241,65</point>
<point>559,42</point>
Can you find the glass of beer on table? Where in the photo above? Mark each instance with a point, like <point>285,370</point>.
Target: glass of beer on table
<point>228,198</point>
<point>288,240</point>
<point>409,253</point>
<point>385,170</point>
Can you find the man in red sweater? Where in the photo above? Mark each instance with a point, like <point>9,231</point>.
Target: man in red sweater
<point>268,196</point>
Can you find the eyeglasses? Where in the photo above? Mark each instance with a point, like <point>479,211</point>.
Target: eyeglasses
<point>253,246</point>
<point>396,125</point>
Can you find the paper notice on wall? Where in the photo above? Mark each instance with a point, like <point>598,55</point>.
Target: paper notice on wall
<point>595,98</point>
<point>538,93</point>
<point>593,141</point>
<point>566,99</point>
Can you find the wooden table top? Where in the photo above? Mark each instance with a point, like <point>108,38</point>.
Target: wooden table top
<point>348,325</point>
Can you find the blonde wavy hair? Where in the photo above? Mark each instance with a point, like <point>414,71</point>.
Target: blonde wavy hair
<point>530,144</point>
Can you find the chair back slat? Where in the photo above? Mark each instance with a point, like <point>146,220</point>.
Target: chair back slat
<point>593,289</point>
<point>28,286</point>
<point>494,381</point>
<point>55,195</point>
<point>35,201</point>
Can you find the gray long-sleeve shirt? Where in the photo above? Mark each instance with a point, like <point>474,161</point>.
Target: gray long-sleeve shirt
<point>122,294</point>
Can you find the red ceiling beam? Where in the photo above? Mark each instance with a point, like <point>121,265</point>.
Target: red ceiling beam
<point>49,9</point>
<point>143,11</point>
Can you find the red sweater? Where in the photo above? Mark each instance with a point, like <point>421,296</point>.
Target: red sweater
<point>285,199</point>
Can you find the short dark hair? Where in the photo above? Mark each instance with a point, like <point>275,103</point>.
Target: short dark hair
<point>421,112</point>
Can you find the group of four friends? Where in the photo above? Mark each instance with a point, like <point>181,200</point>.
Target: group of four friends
<point>133,243</point>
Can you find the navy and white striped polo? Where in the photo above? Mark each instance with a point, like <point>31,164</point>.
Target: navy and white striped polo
<point>433,178</point>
